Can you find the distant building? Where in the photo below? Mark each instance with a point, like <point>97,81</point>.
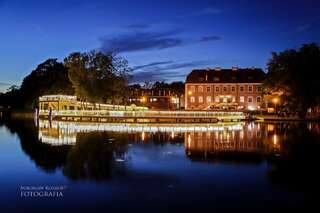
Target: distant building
<point>238,89</point>
<point>157,99</point>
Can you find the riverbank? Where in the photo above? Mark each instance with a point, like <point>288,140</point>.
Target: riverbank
<point>30,115</point>
<point>278,118</point>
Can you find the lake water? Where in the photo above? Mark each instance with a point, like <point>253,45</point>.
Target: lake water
<point>65,166</point>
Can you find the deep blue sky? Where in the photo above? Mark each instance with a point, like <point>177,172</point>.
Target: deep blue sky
<point>162,40</point>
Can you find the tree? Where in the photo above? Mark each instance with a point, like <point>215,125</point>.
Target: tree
<point>98,77</point>
<point>294,72</point>
<point>50,77</point>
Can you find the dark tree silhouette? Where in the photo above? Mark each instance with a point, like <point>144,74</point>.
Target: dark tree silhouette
<point>98,77</point>
<point>50,77</point>
<point>295,73</point>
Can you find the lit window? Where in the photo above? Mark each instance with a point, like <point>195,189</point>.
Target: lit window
<point>216,99</point>
<point>192,99</point>
<point>250,99</point>
<point>241,89</point>
<point>200,99</point>
<point>217,89</point>
<point>241,99</point>
<point>193,88</point>
<point>259,88</point>
<point>200,89</point>
<point>233,99</point>
<point>258,99</point>
<point>250,88</point>
<point>208,99</point>
<point>208,89</point>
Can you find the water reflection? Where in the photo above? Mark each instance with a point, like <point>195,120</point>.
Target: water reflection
<point>102,151</point>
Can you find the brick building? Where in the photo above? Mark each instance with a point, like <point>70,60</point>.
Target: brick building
<point>237,89</point>
<point>155,99</point>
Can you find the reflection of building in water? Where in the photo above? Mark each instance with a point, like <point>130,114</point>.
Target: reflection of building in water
<point>55,135</point>
<point>250,139</point>
<point>65,133</point>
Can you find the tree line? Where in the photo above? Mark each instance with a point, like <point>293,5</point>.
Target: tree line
<point>103,78</point>
<point>295,73</point>
<point>91,76</point>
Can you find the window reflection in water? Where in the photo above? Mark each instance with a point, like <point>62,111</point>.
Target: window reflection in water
<point>202,141</point>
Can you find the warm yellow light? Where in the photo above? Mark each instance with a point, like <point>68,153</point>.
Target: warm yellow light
<point>189,93</point>
<point>143,99</point>
<point>275,140</point>
<point>275,100</point>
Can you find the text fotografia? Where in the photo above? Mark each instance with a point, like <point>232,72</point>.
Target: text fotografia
<point>42,191</point>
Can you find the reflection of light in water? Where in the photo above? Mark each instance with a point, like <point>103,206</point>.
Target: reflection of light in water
<point>71,127</point>
<point>189,140</point>
<point>45,137</point>
<point>270,127</point>
<point>275,140</point>
<point>65,132</point>
<point>142,136</point>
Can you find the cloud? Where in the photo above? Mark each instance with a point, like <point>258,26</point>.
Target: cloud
<point>204,12</point>
<point>139,26</point>
<point>151,65</point>
<point>210,38</point>
<point>163,71</point>
<point>134,41</point>
<point>303,27</point>
<point>138,41</point>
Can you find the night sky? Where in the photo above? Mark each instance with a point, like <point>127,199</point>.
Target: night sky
<point>162,40</point>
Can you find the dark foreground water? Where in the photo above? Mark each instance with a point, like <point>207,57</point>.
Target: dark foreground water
<point>76,167</point>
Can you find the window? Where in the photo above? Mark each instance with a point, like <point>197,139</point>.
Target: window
<point>200,99</point>
<point>250,99</point>
<point>200,89</point>
<point>192,99</point>
<point>224,89</point>
<point>193,88</point>
<point>259,88</point>
<point>241,99</point>
<point>233,89</point>
<point>217,89</point>
<point>216,79</point>
<point>250,88</point>
<point>208,89</point>
<point>241,89</point>
<point>258,99</point>
<point>208,99</point>
<point>216,99</point>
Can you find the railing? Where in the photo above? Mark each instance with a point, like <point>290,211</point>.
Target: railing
<point>146,114</point>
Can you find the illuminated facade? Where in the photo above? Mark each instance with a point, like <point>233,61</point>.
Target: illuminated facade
<point>157,99</point>
<point>70,103</point>
<point>233,89</point>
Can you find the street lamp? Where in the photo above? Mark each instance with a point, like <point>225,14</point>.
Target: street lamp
<point>189,93</point>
